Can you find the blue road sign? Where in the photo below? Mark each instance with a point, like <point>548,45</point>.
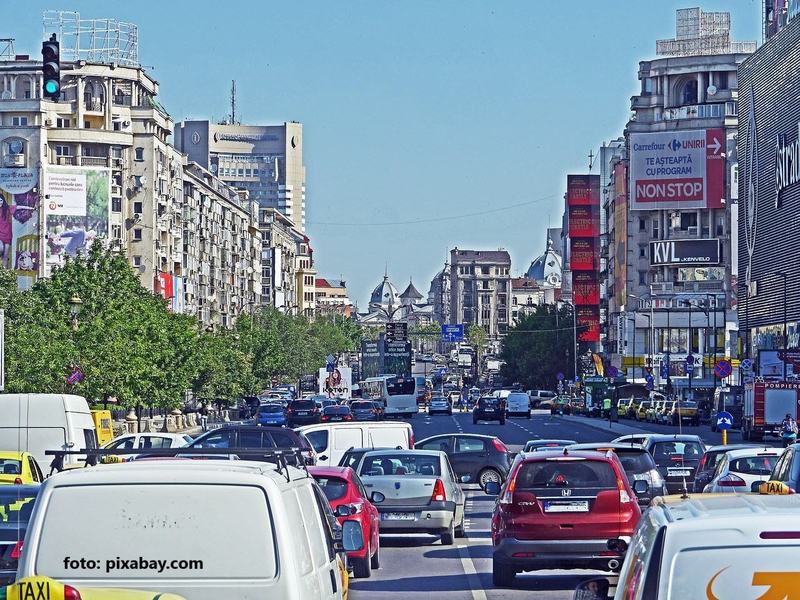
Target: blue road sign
<point>664,370</point>
<point>690,364</point>
<point>723,369</point>
<point>649,385</point>
<point>724,420</point>
<point>560,376</point>
<point>442,371</point>
<point>453,333</point>
<point>330,368</point>
<point>613,371</point>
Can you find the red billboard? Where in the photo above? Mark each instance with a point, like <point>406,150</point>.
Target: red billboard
<point>583,226</point>
<point>586,288</point>
<point>583,190</point>
<point>584,255</point>
<point>588,323</point>
<point>163,285</point>
<point>584,221</point>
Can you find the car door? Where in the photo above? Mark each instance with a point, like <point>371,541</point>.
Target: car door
<point>469,456</point>
<point>374,515</point>
<point>455,489</point>
<point>442,443</point>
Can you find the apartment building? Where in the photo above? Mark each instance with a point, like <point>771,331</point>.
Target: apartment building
<point>332,298</point>
<point>278,260</point>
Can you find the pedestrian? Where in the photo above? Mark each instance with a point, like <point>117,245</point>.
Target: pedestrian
<point>788,430</point>
<point>204,417</point>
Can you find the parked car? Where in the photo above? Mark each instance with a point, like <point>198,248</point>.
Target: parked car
<point>641,411</point>
<point>654,411</point>
<point>331,440</point>
<point>440,405</point>
<point>686,411</point>
<point>303,412</point>
<point>475,458</point>
<point>19,468</point>
<point>16,507</point>
<point>336,414</point>
<point>488,408</point>
<point>539,396</point>
<point>271,414</point>
<point>420,492</point>
<point>737,470</point>
<point>349,501</point>
<point>586,490</point>
<point>255,436</point>
<point>562,405</point>
<point>145,441</point>
<point>677,458</point>
<point>708,463</point>
<point>365,410</point>
<point>638,465</point>
<point>539,445</point>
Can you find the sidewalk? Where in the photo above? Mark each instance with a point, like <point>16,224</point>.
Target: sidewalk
<point>603,425</point>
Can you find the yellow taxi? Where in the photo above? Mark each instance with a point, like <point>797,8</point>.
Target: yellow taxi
<point>20,468</point>
<point>668,414</point>
<point>642,409</point>
<point>685,410</point>
<point>30,588</point>
<point>345,576</point>
<point>653,412</point>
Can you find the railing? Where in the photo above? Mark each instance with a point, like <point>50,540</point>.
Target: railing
<point>94,161</point>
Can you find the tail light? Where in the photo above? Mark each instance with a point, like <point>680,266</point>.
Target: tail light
<point>508,495</point>
<point>499,446</point>
<point>703,461</point>
<point>70,593</point>
<point>325,418</point>
<point>438,492</point>
<point>624,497</point>
<point>290,410</point>
<point>16,550</point>
<point>348,417</point>
<point>731,481</point>
<point>18,481</point>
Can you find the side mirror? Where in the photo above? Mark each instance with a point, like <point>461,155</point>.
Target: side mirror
<point>640,487</point>
<point>596,589</point>
<point>376,497</point>
<point>465,478</point>
<point>492,488</point>
<point>344,510</point>
<point>352,536</point>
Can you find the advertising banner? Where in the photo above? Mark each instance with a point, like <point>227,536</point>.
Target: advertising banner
<point>162,285</point>
<point>584,255</point>
<point>677,169</point>
<point>178,300</point>
<point>77,211</point>
<point>620,233</point>
<point>588,323</point>
<point>19,235</point>
<point>370,359</point>
<point>683,252</point>
<point>701,274</point>
<point>337,383</point>
<point>397,358</point>
<point>17,181</point>
<point>583,190</point>
<point>585,288</point>
<point>584,221</point>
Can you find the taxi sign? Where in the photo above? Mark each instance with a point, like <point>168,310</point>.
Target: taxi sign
<point>774,488</point>
<point>34,588</point>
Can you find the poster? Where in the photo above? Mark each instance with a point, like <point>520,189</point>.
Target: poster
<point>338,383</point>
<point>77,213</point>
<point>19,234</point>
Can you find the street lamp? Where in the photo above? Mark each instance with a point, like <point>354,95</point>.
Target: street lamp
<point>75,306</point>
<point>574,336</point>
<point>785,329</point>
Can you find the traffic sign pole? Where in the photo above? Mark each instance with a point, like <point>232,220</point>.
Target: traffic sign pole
<point>724,437</point>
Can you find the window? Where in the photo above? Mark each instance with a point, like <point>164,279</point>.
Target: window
<point>217,439</point>
<point>137,207</point>
<point>333,487</point>
<point>642,251</point>
<point>465,444</point>
<point>116,232</point>
<point>442,444</point>
<point>642,224</point>
<point>647,86</point>
<point>642,278</point>
<point>139,153</point>
<point>688,219</point>
<point>722,80</point>
<point>137,261</point>
<point>87,125</point>
<point>63,122</point>
<point>318,439</point>
<point>655,228</point>
<point>720,225</point>
<point>137,235</point>
<point>116,152</point>
<point>63,151</point>
<point>688,92</point>
<point>116,204</point>
<point>19,121</point>
<point>152,441</point>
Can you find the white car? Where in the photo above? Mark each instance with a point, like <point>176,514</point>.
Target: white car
<point>738,469</point>
<point>149,441</point>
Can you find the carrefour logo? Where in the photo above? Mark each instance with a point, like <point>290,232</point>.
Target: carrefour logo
<point>674,145</point>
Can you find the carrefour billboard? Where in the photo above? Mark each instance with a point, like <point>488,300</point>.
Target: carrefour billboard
<point>677,169</point>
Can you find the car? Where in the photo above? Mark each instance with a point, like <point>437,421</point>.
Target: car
<point>641,412</point>
<point>16,506</point>
<point>518,404</point>
<point>543,444</point>
<point>19,468</point>
<point>538,396</point>
<point>365,410</point>
<point>737,470</point>
<point>331,440</point>
<point>488,408</point>
<point>256,436</point>
<point>302,412</point>
<point>667,412</point>
<point>638,465</point>
<point>276,536</point>
<point>679,549</point>
<point>144,441</point>
<point>475,458</point>
<point>336,414</point>
<point>271,413</point>
<point>349,501</point>
<point>441,405</point>
<point>352,457</point>
<point>708,463</point>
<point>787,469</point>
<point>562,510</point>
<point>685,411</point>
<point>677,458</point>
<point>420,492</point>
<point>454,397</point>
<point>654,410</point>
<point>562,405</point>
<point>638,439</point>
<point>50,589</point>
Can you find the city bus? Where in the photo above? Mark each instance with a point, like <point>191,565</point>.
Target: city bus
<point>398,394</point>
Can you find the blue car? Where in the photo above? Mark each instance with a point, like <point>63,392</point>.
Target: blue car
<point>271,414</point>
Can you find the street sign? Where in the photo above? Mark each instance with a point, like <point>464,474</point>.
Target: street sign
<point>747,364</point>
<point>396,332</point>
<point>690,364</point>
<point>613,372</point>
<point>649,386</point>
<point>664,371</point>
<point>330,367</point>
<point>75,376</point>
<point>724,420</point>
<point>560,376</point>
<point>330,359</point>
<point>453,333</point>
<point>723,369</point>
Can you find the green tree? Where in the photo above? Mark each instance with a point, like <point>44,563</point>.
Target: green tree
<point>476,336</point>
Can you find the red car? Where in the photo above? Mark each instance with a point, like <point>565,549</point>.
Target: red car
<point>349,501</point>
<point>563,510</point>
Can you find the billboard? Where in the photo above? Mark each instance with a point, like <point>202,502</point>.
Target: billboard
<point>585,288</point>
<point>77,209</point>
<point>163,286</point>
<point>370,359</point>
<point>683,252</point>
<point>178,299</point>
<point>19,225</point>
<point>588,323</point>
<point>583,211</point>
<point>584,221</point>
<point>583,190</point>
<point>620,233</point>
<point>397,358</point>
<point>337,383</point>
<point>677,169</point>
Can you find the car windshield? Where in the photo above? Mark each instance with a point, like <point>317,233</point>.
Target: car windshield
<point>635,463</point>
<point>688,404</point>
<point>566,474</point>
<point>362,406</point>
<point>400,464</point>
<point>666,453</point>
<point>333,487</point>
<point>400,387</point>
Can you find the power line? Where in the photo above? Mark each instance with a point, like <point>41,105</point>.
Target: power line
<point>437,219</point>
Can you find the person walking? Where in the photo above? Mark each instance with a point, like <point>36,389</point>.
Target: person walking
<point>204,416</point>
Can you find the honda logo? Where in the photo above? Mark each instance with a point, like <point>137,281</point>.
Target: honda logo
<point>566,492</point>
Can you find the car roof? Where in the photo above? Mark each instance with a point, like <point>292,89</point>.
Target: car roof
<point>394,451</point>
<point>679,437</point>
<point>12,454</point>
<point>552,441</point>
<point>23,488</point>
<point>730,447</point>
<point>343,472</point>
<point>713,507</point>
<point>457,434</point>
<point>745,452</point>
<point>618,446</point>
<point>559,453</point>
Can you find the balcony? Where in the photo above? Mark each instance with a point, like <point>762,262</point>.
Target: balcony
<point>94,161</point>
<point>94,105</point>
<point>699,111</point>
<point>14,160</point>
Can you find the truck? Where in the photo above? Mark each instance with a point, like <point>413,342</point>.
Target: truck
<point>766,404</point>
<point>464,360</point>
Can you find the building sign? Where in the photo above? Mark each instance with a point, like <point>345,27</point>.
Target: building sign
<point>17,181</point>
<point>701,274</point>
<point>245,137</point>
<point>677,169</point>
<point>588,323</point>
<point>583,222</point>
<point>584,255</point>
<point>682,252</point>
<point>583,211</point>
<point>787,164</point>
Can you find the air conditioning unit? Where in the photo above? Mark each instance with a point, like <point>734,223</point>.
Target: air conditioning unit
<point>48,122</point>
<point>693,231</point>
<point>15,160</point>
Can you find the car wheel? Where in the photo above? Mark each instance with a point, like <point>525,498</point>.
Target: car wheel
<point>502,421</point>
<point>474,421</point>
<point>488,475</point>
<point>528,416</point>
<point>362,567</point>
<point>375,561</point>
<point>460,531</point>
<point>448,536</point>
<point>502,575</point>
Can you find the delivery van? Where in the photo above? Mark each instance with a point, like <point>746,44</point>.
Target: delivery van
<point>38,422</point>
<point>247,530</point>
<point>518,404</point>
<point>332,440</point>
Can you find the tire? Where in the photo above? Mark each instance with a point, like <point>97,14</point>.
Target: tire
<point>474,421</point>
<point>502,575</point>
<point>528,416</point>
<point>460,531</point>
<point>489,474</point>
<point>502,421</point>
<point>448,536</point>
<point>362,567</point>
<point>375,561</point>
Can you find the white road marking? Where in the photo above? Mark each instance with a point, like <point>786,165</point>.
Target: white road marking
<point>471,573</point>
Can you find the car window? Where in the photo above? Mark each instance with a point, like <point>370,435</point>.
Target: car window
<point>636,463</point>
<point>216,439</point>
<point>359,486</point>
<point>566,474</point>
<point>401,464</point>
<point>283,440</point>
<point>753,465</point>
<point>467,444</point>
<point>150,441</point>
<point>10,466</point>
<point>254,439</point>
<point>89,439</point>
<point>303,404</point>
<point>712,460</point>
<point>123,444</point>
<point>782,470</point>
<point>665,453</point>
<point>35,468</point>
<point>318,439</point>
<point>15,507</point>
<point>442,444</point>
<point>362,406</point>
<point>333,487</point>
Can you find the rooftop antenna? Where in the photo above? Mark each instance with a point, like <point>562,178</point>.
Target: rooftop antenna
<point>233,102</point>
<point>7,49</point>
<point>591,160</point>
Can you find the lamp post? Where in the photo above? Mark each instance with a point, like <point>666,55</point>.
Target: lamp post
<point>574,336</point>
<point>75,306</point>
<point>785,325</point>
<point>714,362</point>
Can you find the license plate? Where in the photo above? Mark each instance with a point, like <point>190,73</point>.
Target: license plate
<point>683,473</point>
<point>488,410</point>
<point>561,507</point>
<point>336,418</point>
<point>302,414</point>
<point>393,516</point>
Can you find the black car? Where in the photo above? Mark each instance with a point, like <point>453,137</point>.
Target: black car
<point>365,410</point>
<point>677,458</point>
<point>16,504</point>
<point>475,458</point>
<point>638,464</point>
<point>255,436</point>
<point>708,464</point>
<point>489,408</point>
<point>303,412</point>
<point>336,413</point>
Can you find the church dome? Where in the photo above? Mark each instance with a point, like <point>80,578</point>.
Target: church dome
<point>546,269</point>
<point>385,294</point>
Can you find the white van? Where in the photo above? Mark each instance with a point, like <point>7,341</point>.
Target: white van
<point>201,529</point>
<point>331,440</point>
<point>736,546</point>
<point>38,422</point>
<point>518,404</point>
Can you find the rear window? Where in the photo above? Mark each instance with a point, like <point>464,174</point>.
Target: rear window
<point>665,453</point>
<point>336,410</point>
<point>362,406</point>
<point>401,464</point>
<point>333,487</point>
<point>270,409</point>
<point>566,474</point>
<point>303,404</point>
<point>400,387</point>
<point>635,463</point>
<point>10,466</point>
<point>350,459</point>
<point>483,402</point>
<point>688,404</point>
<point>156,523</point>
<point>753,465</point>
<point>15,508</point>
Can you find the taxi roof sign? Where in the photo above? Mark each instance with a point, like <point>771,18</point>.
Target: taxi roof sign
<point>774,488</point>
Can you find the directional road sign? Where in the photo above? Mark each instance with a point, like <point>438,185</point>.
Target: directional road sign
<point>453,333</point>
<point>560,376</point>
<point>724,420</point>
<point>396,332</point>
<point>723,369</point>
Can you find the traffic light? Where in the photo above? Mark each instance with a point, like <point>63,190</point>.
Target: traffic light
<point>52,69</point>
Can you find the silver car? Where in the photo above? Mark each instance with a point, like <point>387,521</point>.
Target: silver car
<point>420,492</point>
<point>440,404</point>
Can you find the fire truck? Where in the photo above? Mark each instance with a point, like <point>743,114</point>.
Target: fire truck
<point>766,404</point>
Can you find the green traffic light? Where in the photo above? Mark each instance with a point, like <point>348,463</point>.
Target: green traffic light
<point>51,87</point>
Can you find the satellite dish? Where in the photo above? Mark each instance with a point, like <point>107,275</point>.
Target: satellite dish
<point>142,268</point>
<point>712,90</point>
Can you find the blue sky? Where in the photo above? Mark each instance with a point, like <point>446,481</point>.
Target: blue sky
<point>412,111</point>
